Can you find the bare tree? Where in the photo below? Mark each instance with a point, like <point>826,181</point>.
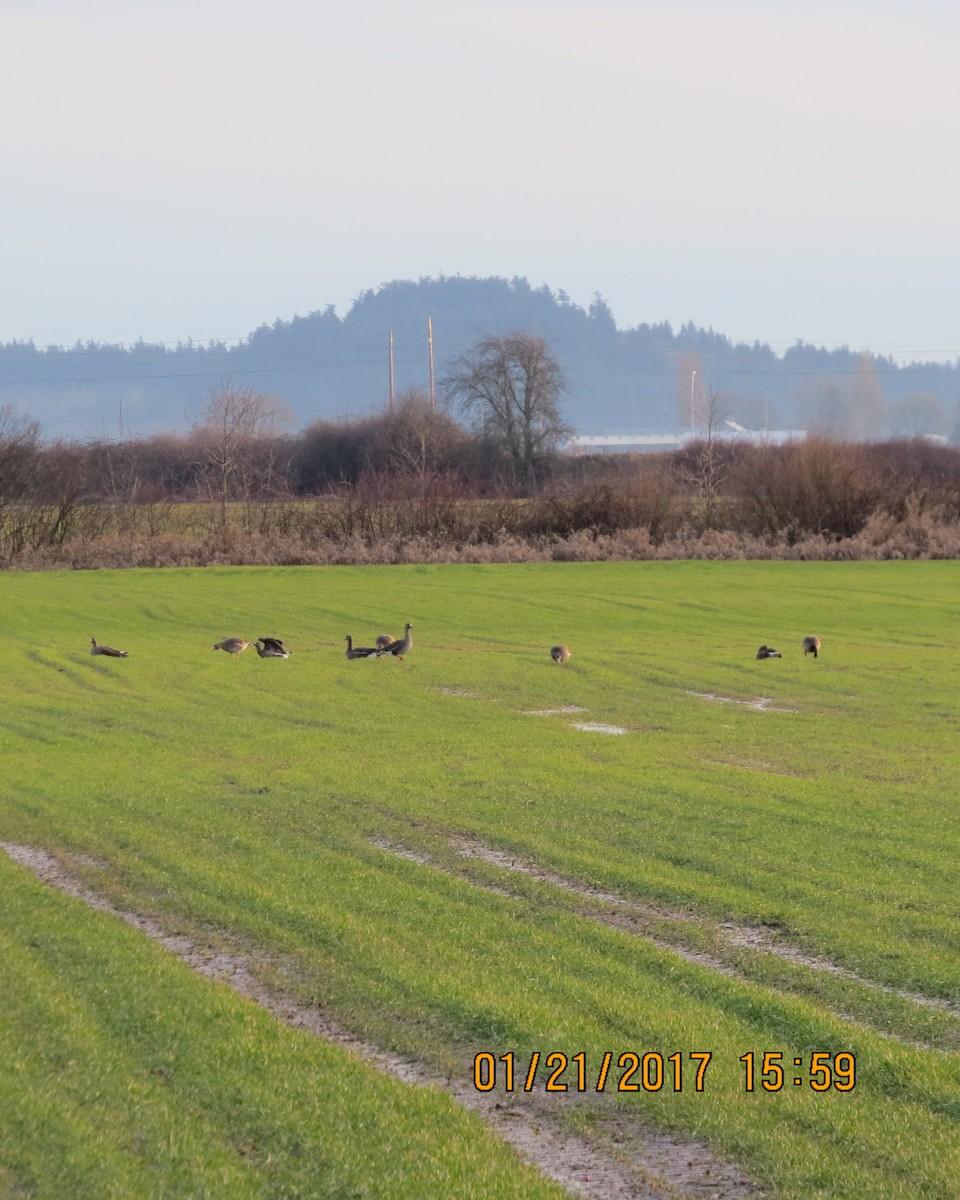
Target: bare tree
<point>512,386</point>
<point>918,414</point>
<point>851,408</point>
<point>19,449</point>
<point>19,455</point>
<point>705,461</point>
<point>237,437</point>
<point>417,441</point>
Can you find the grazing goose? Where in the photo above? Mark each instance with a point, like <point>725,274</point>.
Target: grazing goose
<point>360,651</point>
<point>768,652</point>
<point>234,646</point>
<point>108,650</point>
<point>271,648</point>
<point>384,640</point>
<point>559,654</point>
<point>811,645</point>
<point>399,648</point>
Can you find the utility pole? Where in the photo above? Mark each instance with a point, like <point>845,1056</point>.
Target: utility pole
<point>433,392</point>
<point>693,384</point>
<point>390,404</point>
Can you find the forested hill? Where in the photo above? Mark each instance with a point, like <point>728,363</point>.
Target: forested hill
<point>620,381</point>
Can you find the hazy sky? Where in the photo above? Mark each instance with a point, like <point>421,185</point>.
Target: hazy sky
<point>195,168</point>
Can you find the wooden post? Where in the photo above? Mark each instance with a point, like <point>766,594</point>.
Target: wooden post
<point>433,392</point>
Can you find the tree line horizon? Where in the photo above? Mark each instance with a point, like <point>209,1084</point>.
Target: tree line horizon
<point>618,381</point>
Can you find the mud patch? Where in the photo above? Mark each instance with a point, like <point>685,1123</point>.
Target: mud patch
<point>401,851</point>
<point>565,710</point>
<point>754,764</point>
<point>761,704</point>
<point>645,1165</point>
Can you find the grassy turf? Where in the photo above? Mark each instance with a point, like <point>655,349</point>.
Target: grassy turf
<point>240,798</point>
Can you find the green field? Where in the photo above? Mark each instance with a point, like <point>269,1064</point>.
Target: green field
<point>764,861</point>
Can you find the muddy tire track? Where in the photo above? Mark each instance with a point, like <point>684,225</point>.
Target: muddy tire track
<point>639,918</point>
<point>633,1164</point>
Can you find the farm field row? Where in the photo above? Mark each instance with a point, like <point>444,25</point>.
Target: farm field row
<point>664,847</point>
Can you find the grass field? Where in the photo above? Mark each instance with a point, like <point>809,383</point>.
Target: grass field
<point>763,861</point>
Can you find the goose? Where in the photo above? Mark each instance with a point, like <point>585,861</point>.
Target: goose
<point>271,648</point>
<point>768,652</point>
<point>559,654</point>
<point>384,640</point>
<point>360,651</point>
<point>811,645</point>
<point>403,646</point>
<point>234,646</point>
<point>108,650</point>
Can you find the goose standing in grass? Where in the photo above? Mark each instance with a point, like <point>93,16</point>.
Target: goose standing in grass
<point>384,640</point>
<point>768,652</point>
<point>107,650</point>
<point>559,654</point>
<point>360,651</point>
<point>271,648</point>
<point>401,647</point>
<point>233,646</point>
<point>811,645</point>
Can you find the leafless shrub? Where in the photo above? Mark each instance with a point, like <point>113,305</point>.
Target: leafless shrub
<point>815,500</point>
<point>815,486</point>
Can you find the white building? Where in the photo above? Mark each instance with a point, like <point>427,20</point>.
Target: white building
<point>647,443</point>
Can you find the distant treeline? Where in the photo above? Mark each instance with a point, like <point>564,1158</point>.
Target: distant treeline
<point>323,366</point>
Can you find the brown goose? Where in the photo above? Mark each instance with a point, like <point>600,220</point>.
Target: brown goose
<point>271,648</point>
<point>384,640</point>
<point>811,645</point>
<point>360,651</point>
<point>399,648</point>
<point>559,654</point>
<point>107,650</point>
<point>234,646</point>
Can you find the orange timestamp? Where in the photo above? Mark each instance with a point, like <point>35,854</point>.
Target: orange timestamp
<point>651,1071</point>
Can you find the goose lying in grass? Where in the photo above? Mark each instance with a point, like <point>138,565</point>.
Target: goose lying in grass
<point>559,654</point>
<point>360,651</point>
<point>811,645</point>
<point>768,652</point>
<point>234,646</point>
<point>401,647</point>
<point>271,648</point>
<point>107,650</point>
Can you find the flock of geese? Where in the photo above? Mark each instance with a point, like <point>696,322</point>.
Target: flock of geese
<point>271,647</point>
<point>811,645</point>
<point>386,643</point>
<point>267,647</point>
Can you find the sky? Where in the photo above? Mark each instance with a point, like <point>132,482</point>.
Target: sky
<point>196,168</point>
